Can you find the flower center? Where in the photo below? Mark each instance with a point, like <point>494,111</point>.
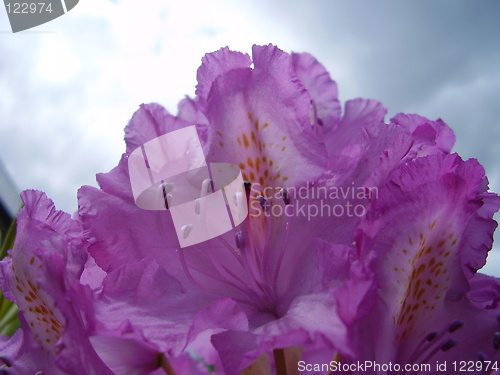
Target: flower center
<point>242,267</point>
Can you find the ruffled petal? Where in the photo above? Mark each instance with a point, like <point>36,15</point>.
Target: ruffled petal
<point>260,122</point>
<point>218,63</point>
<point>418,228</point>
<point>47,260</point>
<point>326,110</point>
<point>430,137</point>
<point>358,114</point>
<point>311,323</point>
<point>148,122</point>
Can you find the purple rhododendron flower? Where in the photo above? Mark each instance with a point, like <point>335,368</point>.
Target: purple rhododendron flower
<point>362,245</point>
<point>42,278</point>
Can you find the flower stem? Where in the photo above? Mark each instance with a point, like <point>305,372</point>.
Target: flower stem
<point>280,362</point>
<point>9,321</point>
<point>8,241</point>
<point>166,366</point>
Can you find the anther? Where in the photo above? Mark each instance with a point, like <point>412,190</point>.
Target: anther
<point>264,202</point>
<point>496,340</point>
<point>239,240</point>
<point>481,356</point>
<point>450,343</point>
<point>455,325</point>
<point>431,336</point>
<point>285,195</point>
<point>248,189</point>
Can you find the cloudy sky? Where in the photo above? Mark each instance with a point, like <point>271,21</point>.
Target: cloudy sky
<point>68,87</point>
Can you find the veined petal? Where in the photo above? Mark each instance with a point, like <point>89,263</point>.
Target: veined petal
<point>260,122</point>
<point>358,114</point>
<point>121,233</point>
<point>47,262</point>
<point>148,122</point>
<point>311,323</point>
<point>418,229</point>
<point>215,64</point>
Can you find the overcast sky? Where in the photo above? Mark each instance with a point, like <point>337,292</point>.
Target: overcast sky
<point>68,87</point>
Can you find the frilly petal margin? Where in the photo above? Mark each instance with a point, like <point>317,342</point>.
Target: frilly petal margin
<point>311,323</point>
<point>325,106</point>
<point>260,121</point>
<point>419,229</point>
<point>57,313</point>
<point>430,136</point>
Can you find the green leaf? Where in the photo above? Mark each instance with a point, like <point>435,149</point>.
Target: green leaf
<point>9,239</point>
<point>9,320</point>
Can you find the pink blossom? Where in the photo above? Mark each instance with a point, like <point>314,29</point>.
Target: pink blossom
<point>363,242</point>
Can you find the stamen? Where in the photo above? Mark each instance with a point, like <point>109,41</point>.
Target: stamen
<point>280,361</point>
<point>285,195</point>
<point>420,350</point>
<point>248,189</point>
<point>245,290</point>
<point>496,340</point>
<point>481,356</point>
<point>250,257</point>
<point>428,347</point>
<point>281,255</point>
<point>448,345</point>
<point>431,336</point>
<point>444,347</point>
<point>455,325</point>
<point>264,202</point>
<point>165,365</point>
<point>239,240</point>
